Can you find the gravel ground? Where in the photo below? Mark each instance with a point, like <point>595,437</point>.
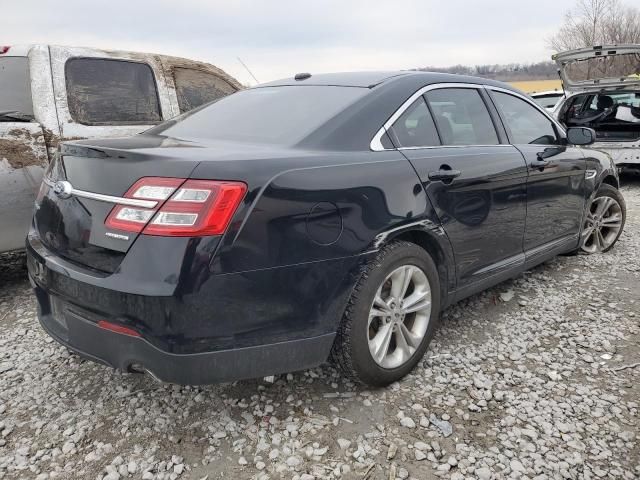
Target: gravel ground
<point>536,378</point>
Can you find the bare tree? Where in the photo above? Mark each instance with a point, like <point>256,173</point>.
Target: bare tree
<point>597,22</point>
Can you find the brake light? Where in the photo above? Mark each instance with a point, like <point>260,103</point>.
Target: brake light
<point>184,207</point>
<point>4,49</point>
<point>133,219</point>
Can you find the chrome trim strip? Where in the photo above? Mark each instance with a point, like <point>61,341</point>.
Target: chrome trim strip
<point>131,202</point>
<point>453,146</point>
<point>376,141</point>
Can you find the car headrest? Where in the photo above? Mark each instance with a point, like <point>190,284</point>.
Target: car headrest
<point>604,101</point>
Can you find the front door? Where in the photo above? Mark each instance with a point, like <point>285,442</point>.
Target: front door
<point>556,186</point>
<point>476,184</point>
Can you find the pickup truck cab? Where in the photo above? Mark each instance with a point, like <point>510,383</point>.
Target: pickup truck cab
<point>52,93</point>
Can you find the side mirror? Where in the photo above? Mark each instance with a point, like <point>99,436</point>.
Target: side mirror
<point>581,136</point>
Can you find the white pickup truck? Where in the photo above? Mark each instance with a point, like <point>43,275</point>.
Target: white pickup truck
<point>49,94</point>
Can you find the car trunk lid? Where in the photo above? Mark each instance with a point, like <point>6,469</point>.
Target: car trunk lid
<point>594,68</point>
<point>85,182</point>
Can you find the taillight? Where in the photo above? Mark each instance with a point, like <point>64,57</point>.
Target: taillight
<point>4,49</point>
<point>185,207</point>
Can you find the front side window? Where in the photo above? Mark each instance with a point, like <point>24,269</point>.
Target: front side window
<point>15,90</point>
<point>462,117</point>
<point>415,127</point>
<point>111,92</point>
<point>196,87</point>
<point>524,123</point>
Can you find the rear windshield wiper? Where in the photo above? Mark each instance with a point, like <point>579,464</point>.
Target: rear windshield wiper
<point>14,115</point>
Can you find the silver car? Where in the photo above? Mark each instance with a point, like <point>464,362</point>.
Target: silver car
<point>602,86</point>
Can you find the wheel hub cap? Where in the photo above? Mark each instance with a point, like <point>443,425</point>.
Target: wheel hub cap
<point>399,316</point>
<point>602,225</point>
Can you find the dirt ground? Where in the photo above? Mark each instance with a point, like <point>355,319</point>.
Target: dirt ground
<point>535,378</point>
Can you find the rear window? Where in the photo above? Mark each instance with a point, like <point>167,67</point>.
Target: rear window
<point>275,115</point>
<point>195,88</point>
<point>15,87</point>
<point>111,92</point>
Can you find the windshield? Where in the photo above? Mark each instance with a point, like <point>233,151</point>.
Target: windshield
<point>15,90</point>
<point>275,115</point>
<point>622,66</point>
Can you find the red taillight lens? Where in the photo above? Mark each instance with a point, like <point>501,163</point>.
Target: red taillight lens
<point>133,219</point>
<point>114,327</point>
<point>185,207</point>
<point>4,49</point>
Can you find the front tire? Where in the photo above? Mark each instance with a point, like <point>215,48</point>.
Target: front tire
<point>604,220</point>
<point>391,316</point>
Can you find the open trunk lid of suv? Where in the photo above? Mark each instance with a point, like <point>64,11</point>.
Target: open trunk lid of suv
<point>603,83</point>
<point>594,68</point>
<point>72,223</point>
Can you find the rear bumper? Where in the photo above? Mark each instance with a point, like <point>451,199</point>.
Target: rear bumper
<point>228,327</point>
<point>127,353</point>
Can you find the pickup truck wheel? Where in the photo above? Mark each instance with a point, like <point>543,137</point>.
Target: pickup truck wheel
<point>391,316</point>
<point>604,220</point>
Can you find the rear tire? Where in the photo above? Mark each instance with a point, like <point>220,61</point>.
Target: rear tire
<point>604,220</point>
<point>391,316</point>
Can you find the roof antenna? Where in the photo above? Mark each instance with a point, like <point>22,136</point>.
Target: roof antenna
<point>247,69</point>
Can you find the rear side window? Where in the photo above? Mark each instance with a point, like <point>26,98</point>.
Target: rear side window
<point>462,117</point>
<point>195,88</point>
<point>15,87</point>
<point>524,123</point>
<point>415,127</point>
<point>111,92</point>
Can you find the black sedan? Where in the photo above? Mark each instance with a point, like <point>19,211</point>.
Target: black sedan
<point>319,217</point>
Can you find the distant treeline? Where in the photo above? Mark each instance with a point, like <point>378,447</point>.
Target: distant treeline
<point>506,73</point>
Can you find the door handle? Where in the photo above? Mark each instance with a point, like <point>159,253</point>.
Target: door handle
<point>444,175</point>
<point>539,163</point>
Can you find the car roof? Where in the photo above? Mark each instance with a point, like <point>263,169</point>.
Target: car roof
<point>373,79</point>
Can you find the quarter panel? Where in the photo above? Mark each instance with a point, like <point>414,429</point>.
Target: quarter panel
<point>373,193</point>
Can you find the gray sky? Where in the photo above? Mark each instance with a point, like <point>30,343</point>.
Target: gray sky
<point>277,38</point>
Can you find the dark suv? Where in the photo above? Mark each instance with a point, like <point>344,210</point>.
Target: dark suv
<point>324,216</point>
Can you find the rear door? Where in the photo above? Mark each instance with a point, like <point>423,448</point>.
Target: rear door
<point>108,94</point>
<point>476,183</point>
<point>23,153</point>
<point>556,185</point>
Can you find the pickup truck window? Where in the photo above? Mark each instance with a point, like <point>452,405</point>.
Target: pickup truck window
<point>111,92</point>
<point>15,90</point>
<point>195,87</point>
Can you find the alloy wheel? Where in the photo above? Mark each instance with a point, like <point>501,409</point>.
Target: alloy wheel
<point>603,224</point>
<point>399,316</point>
